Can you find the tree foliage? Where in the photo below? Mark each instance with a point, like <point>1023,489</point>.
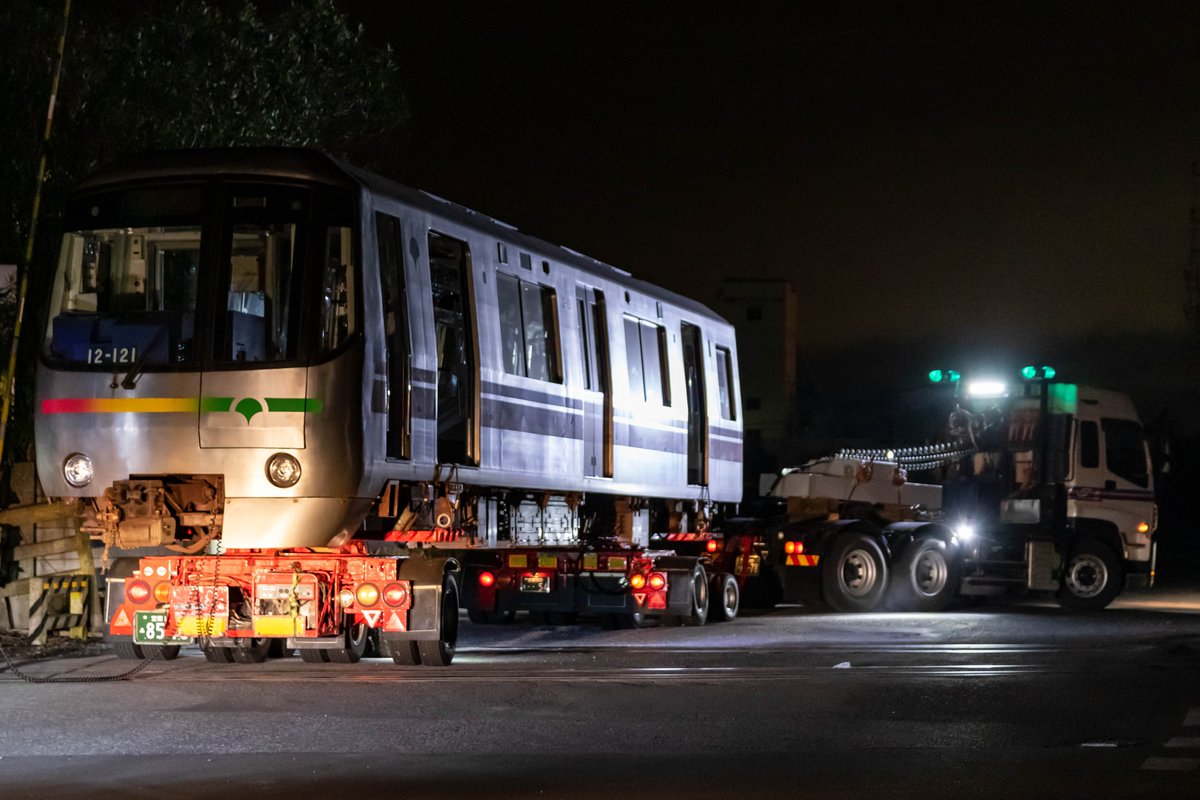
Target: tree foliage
<point>155,74</point>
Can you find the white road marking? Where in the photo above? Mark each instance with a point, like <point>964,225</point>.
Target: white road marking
<point>1171,764</point>
<point>1193,717</point>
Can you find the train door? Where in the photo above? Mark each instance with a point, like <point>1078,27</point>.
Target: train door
<point>398,345</point>
<point>597,395</point>
<point>697,421</point>
<point>457,351</point>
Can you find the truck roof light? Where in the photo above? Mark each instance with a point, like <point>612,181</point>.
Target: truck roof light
<point>943,376</point>
<point>986,389</point>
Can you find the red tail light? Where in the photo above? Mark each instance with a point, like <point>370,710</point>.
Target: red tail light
<point>793,548</point>
<point>137,591</point>
<point>711,546</point>
<point>486,579</point>
<point>637,580</point>
<point>657,581</point>
<point>394,594</point>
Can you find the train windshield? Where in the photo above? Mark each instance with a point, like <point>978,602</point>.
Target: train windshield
<point>145,276</point>
<point>126,285</point>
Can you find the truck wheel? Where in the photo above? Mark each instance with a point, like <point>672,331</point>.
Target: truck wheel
<point>854,575</point>
<point>440,652</point>
<point>354,644</point>
<point>314,655</point>
<point>161,652</point>
<point>698,614</point>
<point>127,650</point>
<point>725,597</point>
<point>402,652</point>
<point>218,655</point>
<point>251,651</point>
<point>1091,577</point>
<point>925,578</point>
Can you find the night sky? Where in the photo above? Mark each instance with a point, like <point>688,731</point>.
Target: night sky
<point>996,171</point>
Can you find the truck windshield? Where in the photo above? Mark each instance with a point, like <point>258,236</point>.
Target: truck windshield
<point>121,295</point>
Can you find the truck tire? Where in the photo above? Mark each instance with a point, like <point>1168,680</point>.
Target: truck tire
<point>218,655</point>
<point>354,645</point>
<point>854,573</point>
<point>1092,577</point>
<point>161,652</point>
<point>402,652</point>
<point>724,598</point>
<point>925,577</point>
<point>314,655</point>
<point>251,651</point>
<point>698,612</point>
<point>439,652</point>
<point>126,650</point>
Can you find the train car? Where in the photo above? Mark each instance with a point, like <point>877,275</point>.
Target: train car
<point>267,351</point>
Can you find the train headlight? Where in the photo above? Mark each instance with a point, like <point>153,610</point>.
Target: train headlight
<point>283,470</point>
<point>77,469</point>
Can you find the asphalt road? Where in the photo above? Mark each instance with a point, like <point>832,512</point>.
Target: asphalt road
<point>1012,701</point>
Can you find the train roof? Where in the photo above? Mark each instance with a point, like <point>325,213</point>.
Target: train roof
<point>314,165</point>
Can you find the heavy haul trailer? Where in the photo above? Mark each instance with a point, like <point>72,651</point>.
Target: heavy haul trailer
<point>260,365</point>
<point>1047,488</point>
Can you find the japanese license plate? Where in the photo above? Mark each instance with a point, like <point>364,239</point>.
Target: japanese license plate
<point>150,627</point>
<point>535,583</point>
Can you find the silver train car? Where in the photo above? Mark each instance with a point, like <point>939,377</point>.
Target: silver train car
<point>267,348</point>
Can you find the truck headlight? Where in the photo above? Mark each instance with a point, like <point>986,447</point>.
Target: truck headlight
<point>77,469</point>
<point>283,470</point>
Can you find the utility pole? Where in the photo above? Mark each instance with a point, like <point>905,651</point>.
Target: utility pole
<point>10,375</point>
<point>1191,275</point>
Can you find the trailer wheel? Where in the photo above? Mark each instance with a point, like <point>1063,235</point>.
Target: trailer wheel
<point>698,614</point>
<point>314,655</point>
<point>251,651</point>
<point>854,574</point>
<point>402,652</point>
<point>354,644</point>
<point>1091,577</point>
<point>161,652</point>
<point>725,597</point>
<point>217,655</point>
<point>127,650</point>
<point>440,652</point>
<point>925,578</point>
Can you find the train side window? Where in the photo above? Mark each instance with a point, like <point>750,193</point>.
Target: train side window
<point>645,358</point>
<point>1124,451</point>
<point>725,384</point>
<point>1089,445</point>
<point>528,329</point>
<point>338,282</point>
<point>395,327</point>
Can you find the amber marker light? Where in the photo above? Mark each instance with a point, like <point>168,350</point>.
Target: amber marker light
<point>1143,527</point>
<point>162,592</point>
<point>367,594</point>
<point>793,548</point>
<point>637,580</point>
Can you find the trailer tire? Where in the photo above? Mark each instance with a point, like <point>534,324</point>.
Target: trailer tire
<point>925,577</point>
<point>161,652</point>
<point>698,613</point>
<point>403,652</point>
<point>854,574</point>
<point>724,597</point>
<point>1092,577</point>
<point>314,655</point>
<point>218,655</point>
<point>439,652</point>
<point>126,650</point>
<point>251,651</point>
<point>354,645</point>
